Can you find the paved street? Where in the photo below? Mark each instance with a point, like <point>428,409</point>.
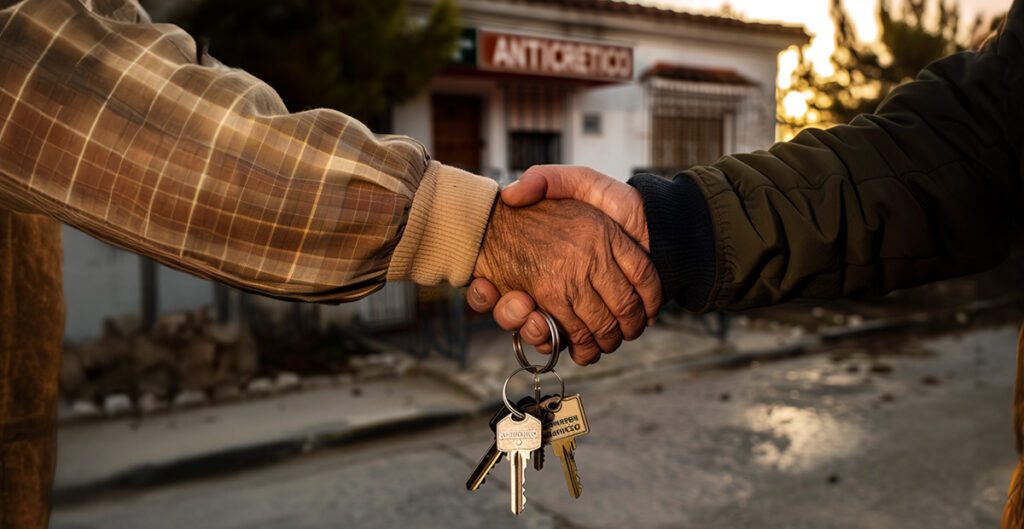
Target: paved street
<point>918,436</point>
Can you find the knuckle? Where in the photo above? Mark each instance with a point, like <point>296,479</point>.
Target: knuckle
<point>632,329</point>
<point>607,330</point>
<point>505,325</point>
<point>581,337</point>
<point>630,306</point>
<point>610,347</point>
<point>608,336</point>
<point>584,355</point>
<point>645,274</point>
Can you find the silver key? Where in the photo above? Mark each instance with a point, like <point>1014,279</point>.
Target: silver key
<point>567,423</point>
<point>517,439</point>
<point>493,455</point>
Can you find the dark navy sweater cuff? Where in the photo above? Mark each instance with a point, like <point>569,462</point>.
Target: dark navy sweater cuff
<point>682,237</point>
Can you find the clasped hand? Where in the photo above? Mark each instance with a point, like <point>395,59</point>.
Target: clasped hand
<point>581,257</point>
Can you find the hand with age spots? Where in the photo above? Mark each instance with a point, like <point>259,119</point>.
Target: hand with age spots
<point>576,264</point>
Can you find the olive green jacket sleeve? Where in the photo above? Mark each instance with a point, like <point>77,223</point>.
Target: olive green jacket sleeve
<point>928,187</point>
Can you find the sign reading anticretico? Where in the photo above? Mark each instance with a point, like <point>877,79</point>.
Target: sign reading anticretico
<point>504,52</point>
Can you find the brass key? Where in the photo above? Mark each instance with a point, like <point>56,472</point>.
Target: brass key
<point>567,423</point>
<point>540,410</point>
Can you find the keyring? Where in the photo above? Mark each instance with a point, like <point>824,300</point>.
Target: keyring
<point>537,388</point>
<point>517,346</point>
<point>504,389</point>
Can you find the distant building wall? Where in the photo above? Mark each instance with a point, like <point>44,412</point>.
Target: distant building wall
<point>621,144</point>
<point>101,281</point>
<point>733,65</point>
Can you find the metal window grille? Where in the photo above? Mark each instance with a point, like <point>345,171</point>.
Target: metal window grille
<point>533,148</point>
<point>696,123</point>
<point>680,141</point>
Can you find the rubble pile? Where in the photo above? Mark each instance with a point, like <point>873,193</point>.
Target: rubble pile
<point>183,356</point>
<point>186,360</point>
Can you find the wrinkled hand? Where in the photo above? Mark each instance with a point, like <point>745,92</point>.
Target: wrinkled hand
<point>620,201</point>
<point>578,265</point>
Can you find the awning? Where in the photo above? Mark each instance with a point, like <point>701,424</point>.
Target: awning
<point>667,79</point>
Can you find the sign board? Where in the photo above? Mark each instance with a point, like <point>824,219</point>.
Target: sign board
<point>465,50</point>
<point>504,52</point>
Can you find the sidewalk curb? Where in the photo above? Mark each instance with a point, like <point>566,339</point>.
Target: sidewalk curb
<point>244,457</point>
<point>250,456</point>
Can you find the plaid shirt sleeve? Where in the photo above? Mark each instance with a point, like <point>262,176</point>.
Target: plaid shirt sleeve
<point>109,124</point>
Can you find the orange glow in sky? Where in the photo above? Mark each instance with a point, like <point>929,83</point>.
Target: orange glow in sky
<point>813,15</point>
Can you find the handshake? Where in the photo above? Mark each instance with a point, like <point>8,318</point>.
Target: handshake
<point>584,261</point>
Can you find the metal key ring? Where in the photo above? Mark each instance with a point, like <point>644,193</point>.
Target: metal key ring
<point>504,389</point>
<point>537,388</point>
<point>517,346</point>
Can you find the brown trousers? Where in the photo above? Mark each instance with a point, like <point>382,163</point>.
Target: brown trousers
<point>1013,515</point>
<point>31,333</point>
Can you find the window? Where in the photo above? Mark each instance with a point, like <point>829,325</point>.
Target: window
<point>535,120</point>
<point>533,148</point>
<point>679,142</point>
<point>592,123</point>
<point>694,120</point>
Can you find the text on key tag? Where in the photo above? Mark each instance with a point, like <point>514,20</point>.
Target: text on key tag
<point>523,434</point>
<point>569,421</point>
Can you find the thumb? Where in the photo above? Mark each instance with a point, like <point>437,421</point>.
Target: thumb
<point>616,199</point>
<point>540,182</point>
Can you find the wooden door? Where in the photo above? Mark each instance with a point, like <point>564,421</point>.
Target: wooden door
<point>457,131</point>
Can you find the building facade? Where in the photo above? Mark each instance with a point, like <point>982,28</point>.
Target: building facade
<point>619,87</point>
<point>616,86</point>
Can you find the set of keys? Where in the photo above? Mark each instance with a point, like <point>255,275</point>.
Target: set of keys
<point>521,431</point>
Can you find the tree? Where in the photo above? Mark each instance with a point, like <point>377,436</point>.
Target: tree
<point>864,73</point>
<point>360,57</point>
<point>357,56</point>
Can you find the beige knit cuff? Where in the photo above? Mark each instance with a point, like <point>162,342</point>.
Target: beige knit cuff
<point>445,228</point>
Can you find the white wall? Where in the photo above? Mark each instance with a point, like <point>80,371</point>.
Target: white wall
<point>101,281</point>
<point>412,119</point>
<point>621,145</point>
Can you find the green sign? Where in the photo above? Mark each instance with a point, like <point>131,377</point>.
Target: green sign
<point>465,51</point>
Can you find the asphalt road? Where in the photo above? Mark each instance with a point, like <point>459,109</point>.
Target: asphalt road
<point>917,436</point>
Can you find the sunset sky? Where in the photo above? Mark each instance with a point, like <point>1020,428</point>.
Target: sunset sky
<point>813,15</point>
